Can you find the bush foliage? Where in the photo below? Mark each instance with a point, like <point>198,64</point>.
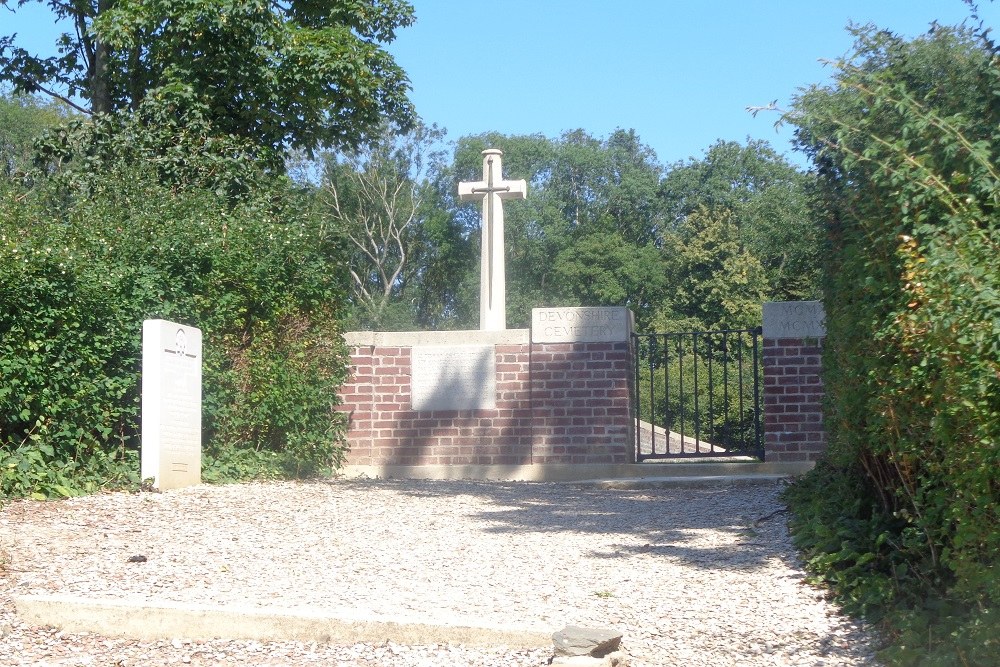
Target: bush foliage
<point>87,255</point>
<point>907,145</point>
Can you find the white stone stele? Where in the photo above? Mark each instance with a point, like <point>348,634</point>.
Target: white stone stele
<point>492,191</point>
<point>794,319</point>
<point>587,324</point>
<point>171,404</point>
<point>453,377</point>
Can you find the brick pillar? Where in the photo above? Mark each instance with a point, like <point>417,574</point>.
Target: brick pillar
<point>581,374</point>
<point>794,332</point>
<point>580,402</point>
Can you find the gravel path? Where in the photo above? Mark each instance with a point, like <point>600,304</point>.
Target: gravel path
<point>690,576</point>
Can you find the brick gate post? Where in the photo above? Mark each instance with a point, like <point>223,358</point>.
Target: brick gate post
<point>794,332</point>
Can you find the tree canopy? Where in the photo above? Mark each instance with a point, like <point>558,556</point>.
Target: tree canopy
<point>604,223</point>
<point>299,74</point>
<point>765,198</point>
<point>23,119</point>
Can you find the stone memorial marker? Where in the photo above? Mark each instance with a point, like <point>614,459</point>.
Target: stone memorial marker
<point>581,325</point>
<point>794,319</point>
<point>171,404</point>
<point>492,191</point>
<point>453,377</point>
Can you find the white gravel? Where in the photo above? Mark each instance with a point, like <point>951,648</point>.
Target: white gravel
<point>690,576</point>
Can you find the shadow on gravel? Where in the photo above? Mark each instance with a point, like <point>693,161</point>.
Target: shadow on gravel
<point>656,521</point>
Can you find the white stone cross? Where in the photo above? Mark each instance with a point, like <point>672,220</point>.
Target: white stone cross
<point>492,190</point>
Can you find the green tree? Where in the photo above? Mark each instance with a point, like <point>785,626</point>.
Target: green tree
<point>600,268</point>
<point>375,198</point>
<point>767,199</point>
<point>297,73</point>
<point>23,119</point>
<point>715,280</point>
<point>443,286</point>
<point>175,141</point>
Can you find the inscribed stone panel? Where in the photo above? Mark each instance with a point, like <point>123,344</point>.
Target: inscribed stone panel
<point>171,404</point>
<point>453,377</point>
<point>794,319</point>
<point>580,325</point>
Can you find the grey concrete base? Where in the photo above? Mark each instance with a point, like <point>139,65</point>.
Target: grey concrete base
<point>722,471</point>
<point>148,621</point>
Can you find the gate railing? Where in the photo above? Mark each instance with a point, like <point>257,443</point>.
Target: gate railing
<point>697,394</point>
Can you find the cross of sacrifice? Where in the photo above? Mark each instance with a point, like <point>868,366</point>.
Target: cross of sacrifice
<point>492,190</point>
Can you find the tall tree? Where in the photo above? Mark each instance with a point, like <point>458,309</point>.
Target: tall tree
<point>766,199</point>
<point>300,73</point>
<point>715,281</point>
<point>24,118</point>
<point>375,197</point>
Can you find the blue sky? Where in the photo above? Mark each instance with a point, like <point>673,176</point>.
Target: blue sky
<point>680,73</point>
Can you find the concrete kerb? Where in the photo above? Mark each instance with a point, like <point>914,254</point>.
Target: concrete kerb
<point>607,475</point>
<point>157,621</point>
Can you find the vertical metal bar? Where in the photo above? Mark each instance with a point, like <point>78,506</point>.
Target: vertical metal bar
<point>666,392</point>
<point>659,414</point>
<point>697,414</point>
<point>756,396</point>
<point>711,395</point>
<point>725,383</point>
<point>680,390</point>
<point>652,394</point>
<point>740,356</point>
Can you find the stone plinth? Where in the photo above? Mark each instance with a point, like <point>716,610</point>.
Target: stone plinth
<point>552,403</point>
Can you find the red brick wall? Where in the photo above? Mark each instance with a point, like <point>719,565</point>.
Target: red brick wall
<point>555,403</point>
<point>580,402</point>
<point>793,399</point>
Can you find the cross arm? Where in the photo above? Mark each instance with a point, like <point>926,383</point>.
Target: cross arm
<point>473,190</point>
<point>515,190</point>
<point>466,191</point>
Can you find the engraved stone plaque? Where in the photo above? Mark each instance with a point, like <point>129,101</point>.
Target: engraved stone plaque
<point>171,404</point>
<point>453,377</point>
<point>580,325</point>
<point>794,319</point>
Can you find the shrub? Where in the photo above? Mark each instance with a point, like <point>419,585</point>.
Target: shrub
<point>81,268</point>
<point>906,147</point>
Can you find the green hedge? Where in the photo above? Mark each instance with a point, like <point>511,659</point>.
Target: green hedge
<point>904,519</point>
<point>80,271</point>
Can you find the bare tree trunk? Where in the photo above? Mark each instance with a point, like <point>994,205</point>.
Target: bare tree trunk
<point>377,227</point>
<point>100,87</point>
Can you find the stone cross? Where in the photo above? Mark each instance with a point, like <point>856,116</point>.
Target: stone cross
<point>492,190</point>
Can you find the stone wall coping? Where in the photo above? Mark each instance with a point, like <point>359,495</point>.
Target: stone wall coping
<point>415,338</point>
<point>793,319</point>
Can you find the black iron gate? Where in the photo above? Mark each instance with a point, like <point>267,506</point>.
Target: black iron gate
<point>697,394</point>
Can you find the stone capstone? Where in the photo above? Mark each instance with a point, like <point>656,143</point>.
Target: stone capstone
<point>595,642</point>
